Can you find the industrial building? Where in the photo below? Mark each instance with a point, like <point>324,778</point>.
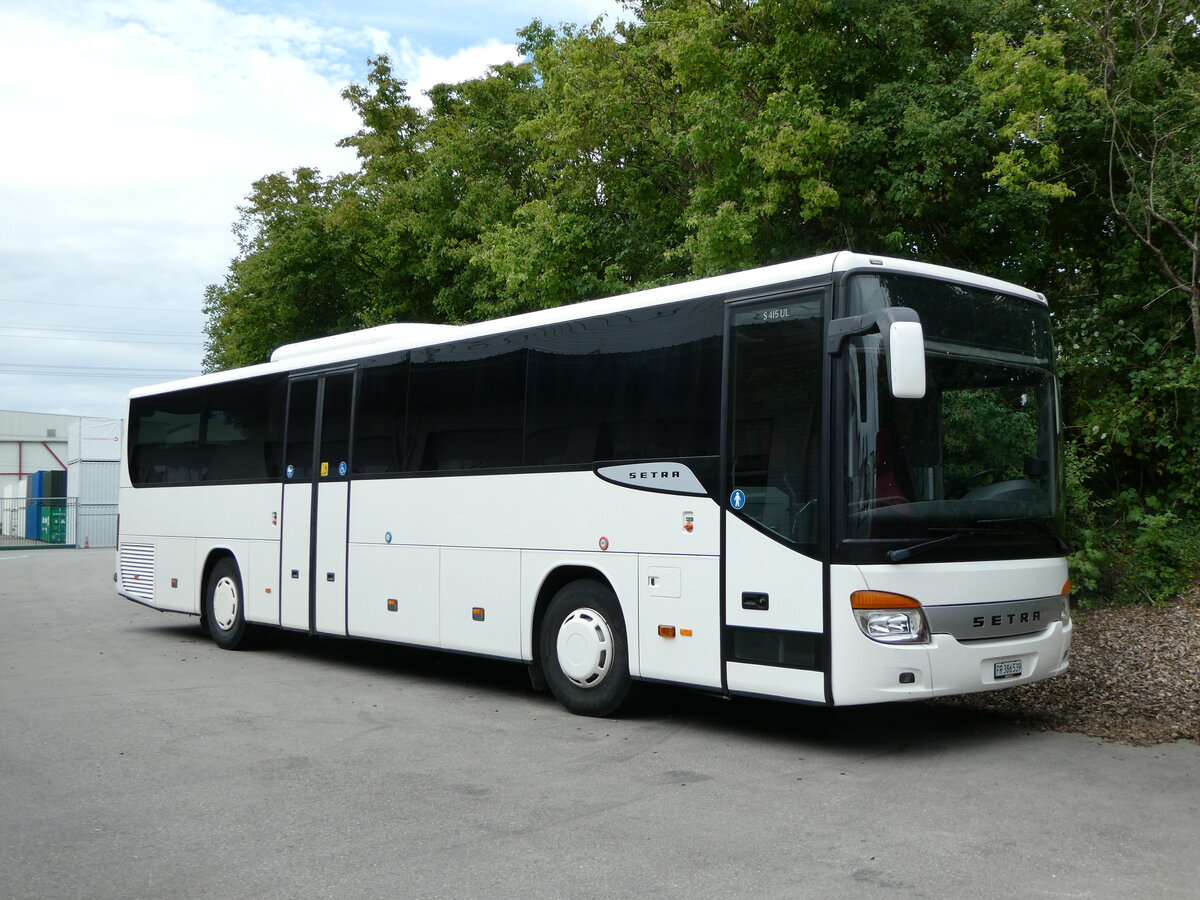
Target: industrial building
<point>58,480</point>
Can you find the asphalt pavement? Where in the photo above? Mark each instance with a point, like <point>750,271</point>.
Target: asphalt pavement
<point>138,760</point>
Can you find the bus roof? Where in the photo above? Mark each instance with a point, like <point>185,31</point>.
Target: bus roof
<point>396,337</point>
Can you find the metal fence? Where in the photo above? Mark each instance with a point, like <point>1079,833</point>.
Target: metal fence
<point>56,522</point>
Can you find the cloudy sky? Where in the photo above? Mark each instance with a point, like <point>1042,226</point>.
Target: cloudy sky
<point>134,128</point>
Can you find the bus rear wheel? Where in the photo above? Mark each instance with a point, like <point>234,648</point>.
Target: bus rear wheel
<point>583,650</point>
<point>224,607</point>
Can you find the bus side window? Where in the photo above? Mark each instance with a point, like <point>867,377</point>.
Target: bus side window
<point>466,408</point>
<point>381,413</point>
<point>644,384</point>
<point>776,414</point>
<point>164,438</point>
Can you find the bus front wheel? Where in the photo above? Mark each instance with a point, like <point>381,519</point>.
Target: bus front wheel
<point>583,651</point>
<point>224,609</point>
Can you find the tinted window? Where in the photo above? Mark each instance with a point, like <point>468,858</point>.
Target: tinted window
<point>164,438</point>
<point>225,432</point>
<point>956,314</point>
<point>301,424</point>
<point>776,414</point>
<point>379,427</point>
<point>334,459</point>
<point>466,406</point>
<point>241,429</point>
<point>635,385</point>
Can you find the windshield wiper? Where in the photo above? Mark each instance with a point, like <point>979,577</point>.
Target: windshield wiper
<point>916,549</point>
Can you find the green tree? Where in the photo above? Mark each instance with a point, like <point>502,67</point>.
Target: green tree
<point>295,277</point>
<point>1050,144</point>
<point>1099,108</point>
<point>1147,77</point>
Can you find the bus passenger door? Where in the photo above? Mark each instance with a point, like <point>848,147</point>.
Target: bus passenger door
<point>315,503</point>
<point>774,578</point>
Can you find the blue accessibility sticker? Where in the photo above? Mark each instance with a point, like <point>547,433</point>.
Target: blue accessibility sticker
<point>737,499</point>
<point>291,471</point>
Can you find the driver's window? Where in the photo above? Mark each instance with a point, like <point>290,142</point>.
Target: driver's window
<point>775,408</point>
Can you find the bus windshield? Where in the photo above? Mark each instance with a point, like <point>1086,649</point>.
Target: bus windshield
<point>971,469</point>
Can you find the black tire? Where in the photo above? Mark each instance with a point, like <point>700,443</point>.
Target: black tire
<point>584,623</point>
<point>224,606</point>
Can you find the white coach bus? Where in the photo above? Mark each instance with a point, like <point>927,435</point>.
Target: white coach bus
<point>833,481</point>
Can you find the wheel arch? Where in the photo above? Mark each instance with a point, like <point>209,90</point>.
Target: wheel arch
<point>556,579</point>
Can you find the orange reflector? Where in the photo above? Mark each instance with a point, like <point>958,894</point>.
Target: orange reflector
<point>667,631</point>
<point>1066,588</point>
<point>685,632</point>
<point>882,600</point>
<point>268,590</point>
<point>393,605</point>
<point>477,613</point>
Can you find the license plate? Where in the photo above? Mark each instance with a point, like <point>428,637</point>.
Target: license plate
<point>1010,668</point>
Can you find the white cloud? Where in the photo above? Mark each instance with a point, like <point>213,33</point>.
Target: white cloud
<point>422,69</point>
<point>144,91</point>
<point>428,70</point>
<point>470,63</point>
<point>134,128</point>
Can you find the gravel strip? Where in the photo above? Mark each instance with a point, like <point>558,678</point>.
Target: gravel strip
<point>1134,678</point>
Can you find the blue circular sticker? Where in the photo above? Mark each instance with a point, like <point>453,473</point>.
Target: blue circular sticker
<point>387,538</point>
<point>342,467</point>
<point>291,471</point>
<point>737,499</point>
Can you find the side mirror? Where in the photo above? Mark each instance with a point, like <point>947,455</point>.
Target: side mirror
<point>905,346</point>
<point>903,342</point>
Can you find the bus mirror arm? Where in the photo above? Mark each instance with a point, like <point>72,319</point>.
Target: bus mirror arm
<point>880,320</point>
<point>903,342</point>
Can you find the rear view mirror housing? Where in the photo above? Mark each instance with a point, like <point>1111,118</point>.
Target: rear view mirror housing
<point>903,342</point>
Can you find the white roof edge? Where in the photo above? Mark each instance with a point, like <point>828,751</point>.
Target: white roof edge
<point>396,337</point>
<point>361,340</point>
<point>847,260</point>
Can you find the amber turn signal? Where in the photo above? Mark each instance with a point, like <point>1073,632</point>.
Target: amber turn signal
<point>882,600</point>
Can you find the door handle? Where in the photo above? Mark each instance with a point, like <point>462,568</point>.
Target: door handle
<point>752,600</point>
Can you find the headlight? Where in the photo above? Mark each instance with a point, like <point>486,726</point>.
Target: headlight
<point>890,618</point>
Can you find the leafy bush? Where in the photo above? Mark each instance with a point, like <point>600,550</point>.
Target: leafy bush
<point>1133,474</point>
